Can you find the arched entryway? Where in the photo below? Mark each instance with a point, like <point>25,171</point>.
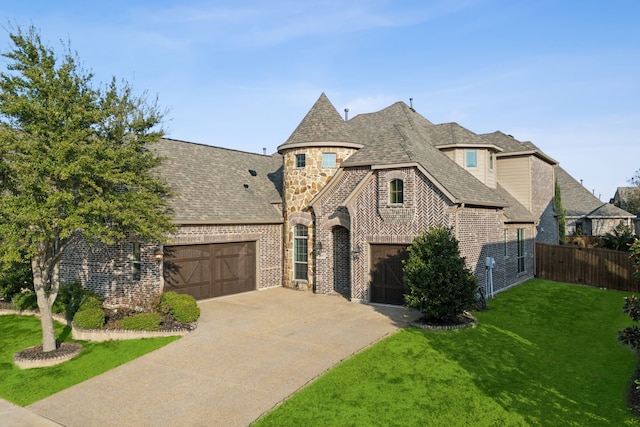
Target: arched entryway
<point>341,261</point>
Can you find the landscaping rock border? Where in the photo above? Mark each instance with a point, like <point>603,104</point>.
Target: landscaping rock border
<point>99,335</point>
<point>34,357</point>
<point>467,320</point>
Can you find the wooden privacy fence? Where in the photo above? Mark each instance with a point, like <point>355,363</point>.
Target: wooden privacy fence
<point>595,267</point>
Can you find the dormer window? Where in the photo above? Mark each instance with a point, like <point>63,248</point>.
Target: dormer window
<point>396,192</point>
<point>491,156</point>
<point>301,160</point>
<point>471,158</point>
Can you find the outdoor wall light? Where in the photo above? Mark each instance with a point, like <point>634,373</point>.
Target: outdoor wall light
<point>157,254</point>
<point>317,248</point>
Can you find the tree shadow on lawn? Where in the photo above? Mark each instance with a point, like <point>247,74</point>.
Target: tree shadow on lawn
<point>553,378</point>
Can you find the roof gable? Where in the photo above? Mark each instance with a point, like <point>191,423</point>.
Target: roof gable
<point>401,146</point>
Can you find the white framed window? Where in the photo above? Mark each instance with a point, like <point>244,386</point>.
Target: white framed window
<point>329,160</point>
<point>300,252</point>
<point>521,250</point>
<point>471,158</point>
<point>396,192</point>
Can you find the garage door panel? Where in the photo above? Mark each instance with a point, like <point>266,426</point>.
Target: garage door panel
<point>207,271</point>
<point>387,284</point>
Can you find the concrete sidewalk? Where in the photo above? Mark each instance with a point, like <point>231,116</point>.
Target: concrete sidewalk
<point>16,416</point>
<point>249,353</point>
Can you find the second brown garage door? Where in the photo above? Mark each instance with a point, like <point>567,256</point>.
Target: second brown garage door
<point>387,286</point>
<point>213,270</point>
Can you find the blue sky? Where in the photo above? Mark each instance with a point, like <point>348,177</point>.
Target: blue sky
<point>242,74</point>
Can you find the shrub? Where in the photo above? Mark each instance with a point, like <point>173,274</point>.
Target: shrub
<point>438,282</point>
<point>73,296</point>
<point>13,278</point>
<point>91,318</point>
<point>90,300</point>
<point>619,239</point>
<point>184,308</point>
<point>25,300</point>
<point>142,322</point>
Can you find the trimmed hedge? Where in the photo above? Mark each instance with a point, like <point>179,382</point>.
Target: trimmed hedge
<point>91,318</point>
<point>26,300</point>
<point>142,322</point>
<point>183,307</point>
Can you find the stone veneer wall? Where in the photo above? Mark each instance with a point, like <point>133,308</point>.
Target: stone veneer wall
<point>300,186</point>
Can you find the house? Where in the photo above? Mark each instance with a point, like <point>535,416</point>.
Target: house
<point>586,214</point>
<point>628,198</point>
<point>334,210</point>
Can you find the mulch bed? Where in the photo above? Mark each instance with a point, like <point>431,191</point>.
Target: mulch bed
<point>63,350</point>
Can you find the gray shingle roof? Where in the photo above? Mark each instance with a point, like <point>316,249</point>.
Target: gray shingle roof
<point>511,146</point>
<point>322,124</point>
<point>209,183</point>
<point>368,126</point>
<point>579,202</point>
<point>402,145</point>
<point>454,134</point>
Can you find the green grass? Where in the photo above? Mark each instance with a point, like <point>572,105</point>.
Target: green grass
<point>23,387</point>
<point>544,354</point>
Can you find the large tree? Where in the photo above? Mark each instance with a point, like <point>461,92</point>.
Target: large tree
<point>76,163</point>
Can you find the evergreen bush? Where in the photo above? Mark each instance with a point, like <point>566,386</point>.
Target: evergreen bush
<point>439,283</point>
<point>184,308</point>
<point>142,322</point>
<point>91,318</point>
<point>25,300</point>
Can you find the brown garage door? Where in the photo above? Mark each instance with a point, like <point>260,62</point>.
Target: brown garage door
<point>207,271</point>
<point>386,273</point>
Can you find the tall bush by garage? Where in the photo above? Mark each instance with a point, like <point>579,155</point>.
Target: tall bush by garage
<point>439,283</point>
<point>184,308</point>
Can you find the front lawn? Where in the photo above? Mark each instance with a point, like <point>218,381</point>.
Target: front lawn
<point>23,387</point>
<point>544,354</point>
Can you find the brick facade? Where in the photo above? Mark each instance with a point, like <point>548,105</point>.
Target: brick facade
<point>108,269</point>
<point>542,197</point>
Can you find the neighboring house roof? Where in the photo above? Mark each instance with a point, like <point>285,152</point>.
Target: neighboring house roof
<point>512,147</point>
<point>402,146</point>
<point>215,185</point>
<point>580,202</point>
<point>322,126</point>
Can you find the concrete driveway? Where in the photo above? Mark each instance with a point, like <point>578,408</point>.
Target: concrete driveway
<point>249,353</point>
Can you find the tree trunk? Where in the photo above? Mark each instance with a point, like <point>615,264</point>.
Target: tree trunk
<point>45,302</point>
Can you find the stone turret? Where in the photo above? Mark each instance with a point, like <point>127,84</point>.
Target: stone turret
<point>312,155</point>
